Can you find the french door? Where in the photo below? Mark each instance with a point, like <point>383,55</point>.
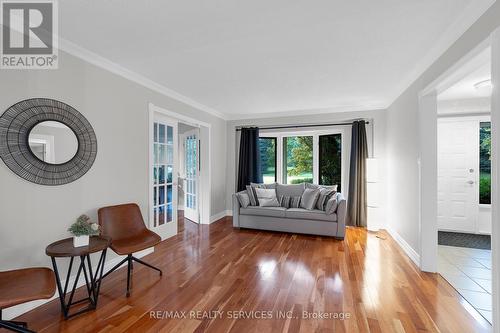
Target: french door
<point>163,189</point>
<point>191,175</point>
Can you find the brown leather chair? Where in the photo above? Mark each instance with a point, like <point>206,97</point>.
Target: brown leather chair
<point>125,226</point>
<point>21,286</point>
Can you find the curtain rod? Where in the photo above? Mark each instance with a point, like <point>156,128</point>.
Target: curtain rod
<point>238,128</point>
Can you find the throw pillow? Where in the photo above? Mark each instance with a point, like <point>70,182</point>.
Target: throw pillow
<point>289,202</point>
<point>331,205</point>
<point>314,186</point>
<point>252,195</point>
<point>244,199</point>
<point>324,195</point>
<point>309,198</point>
<point>267,197</point>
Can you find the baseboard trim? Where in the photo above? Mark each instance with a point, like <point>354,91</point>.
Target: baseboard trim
<point>13,312</point>
<point>220,215</point>
<point>407,249</point>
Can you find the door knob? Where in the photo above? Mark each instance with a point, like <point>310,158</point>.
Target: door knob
<point>470,182</point>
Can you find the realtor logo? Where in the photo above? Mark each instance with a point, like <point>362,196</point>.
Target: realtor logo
<point>29,34</point>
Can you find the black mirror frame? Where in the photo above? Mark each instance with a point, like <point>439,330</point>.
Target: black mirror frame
<point>16,124</point>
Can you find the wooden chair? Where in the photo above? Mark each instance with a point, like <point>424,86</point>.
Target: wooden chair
<point>21,286</point>
<point>125,226</point>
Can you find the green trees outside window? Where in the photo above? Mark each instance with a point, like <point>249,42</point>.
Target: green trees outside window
<point>298,159</point>
<point>485,163</point>
<point>267,148</point>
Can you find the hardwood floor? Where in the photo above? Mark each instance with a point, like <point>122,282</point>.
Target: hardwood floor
<point>218,268</point>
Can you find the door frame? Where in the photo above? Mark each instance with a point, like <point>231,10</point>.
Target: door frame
<point>205,174</point>
<point>427,164</point>
<point>183,137</point>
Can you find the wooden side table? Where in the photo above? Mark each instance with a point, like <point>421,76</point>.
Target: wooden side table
<point>64,249</point>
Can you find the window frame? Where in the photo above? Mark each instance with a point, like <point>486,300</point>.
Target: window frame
<point>275,154</point>
<point>279,135</point>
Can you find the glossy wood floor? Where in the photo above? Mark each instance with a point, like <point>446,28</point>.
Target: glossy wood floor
<point>218,268</point>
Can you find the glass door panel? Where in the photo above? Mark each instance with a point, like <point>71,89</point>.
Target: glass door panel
<point>164,199</point>
<point>191,164</point>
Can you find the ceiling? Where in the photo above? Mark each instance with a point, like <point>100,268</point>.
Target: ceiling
<point>464,89</point>
<point>253,58</point>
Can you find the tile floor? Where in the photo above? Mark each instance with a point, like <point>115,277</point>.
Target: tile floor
<point>469,272</point>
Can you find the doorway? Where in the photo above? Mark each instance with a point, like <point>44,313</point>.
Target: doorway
<point>178,180</point>
<point>461,266</point>
<point>188,184</point>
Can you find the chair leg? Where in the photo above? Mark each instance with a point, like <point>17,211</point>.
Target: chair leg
<point>148,265</point>
<point>129,271</point>
<point>115,268</point>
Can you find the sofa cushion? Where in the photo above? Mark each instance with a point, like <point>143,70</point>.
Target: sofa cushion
<point>309,198</point>
<point>330,187</point>
<point>262,185</point>
<point>315,214</point>
<point>267,197</point>
<point>293,190</point>
<point>331,205</point>
<point>263,211</point>
<point>243,199</point>
<point>252,195</point>
<point>289,202</point>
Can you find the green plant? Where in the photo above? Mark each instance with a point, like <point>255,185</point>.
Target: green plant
<point>485,189</point>
<point>84,226</point>
<point>302,180</point>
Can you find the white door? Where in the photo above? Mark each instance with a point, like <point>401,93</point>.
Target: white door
<point>458,163</point>
<point>163,194</point>
<point>191,175</point>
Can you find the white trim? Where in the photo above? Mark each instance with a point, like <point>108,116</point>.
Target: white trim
<point>428,199</point>
<point>407,249</point>
<point>455,30</point>
<point>220,215</point>
<point>495,170</point>
<point>205,157</point>
<point>18,310</point>
<point>184,119</point>
<point>308,112</point>
<point>110,66</point>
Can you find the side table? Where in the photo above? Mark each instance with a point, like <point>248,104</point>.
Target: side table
<point>65,249</point>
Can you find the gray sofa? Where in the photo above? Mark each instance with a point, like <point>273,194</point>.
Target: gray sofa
<point>295,220</point>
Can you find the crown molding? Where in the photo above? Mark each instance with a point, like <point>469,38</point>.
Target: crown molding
<point>308,112</point>
<point>468,17</point>
<point>110,66</point>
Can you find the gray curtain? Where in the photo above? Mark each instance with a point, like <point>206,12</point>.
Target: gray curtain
<point>249,160</point>
<point>356,203</point>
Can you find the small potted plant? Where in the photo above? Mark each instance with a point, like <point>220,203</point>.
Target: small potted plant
<point>82,229</point>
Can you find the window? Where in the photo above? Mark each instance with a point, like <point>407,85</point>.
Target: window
<point>485,163</point>
<point>330,160</point>
<point>298,159</point>
<point>267,148</point>
<point>302,157</point>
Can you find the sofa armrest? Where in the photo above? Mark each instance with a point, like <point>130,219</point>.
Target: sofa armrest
<point>341,215</point>
<point>236,211</point>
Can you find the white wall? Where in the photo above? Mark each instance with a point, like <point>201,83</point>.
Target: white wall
<point>375,135</point>
<point>32,216</point>
<point>403,134</point>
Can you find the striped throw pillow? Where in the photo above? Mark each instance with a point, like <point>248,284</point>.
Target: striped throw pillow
<point>289,202</point>
<point>252,195</point>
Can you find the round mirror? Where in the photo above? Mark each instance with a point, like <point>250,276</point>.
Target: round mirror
<point>53,142</point>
